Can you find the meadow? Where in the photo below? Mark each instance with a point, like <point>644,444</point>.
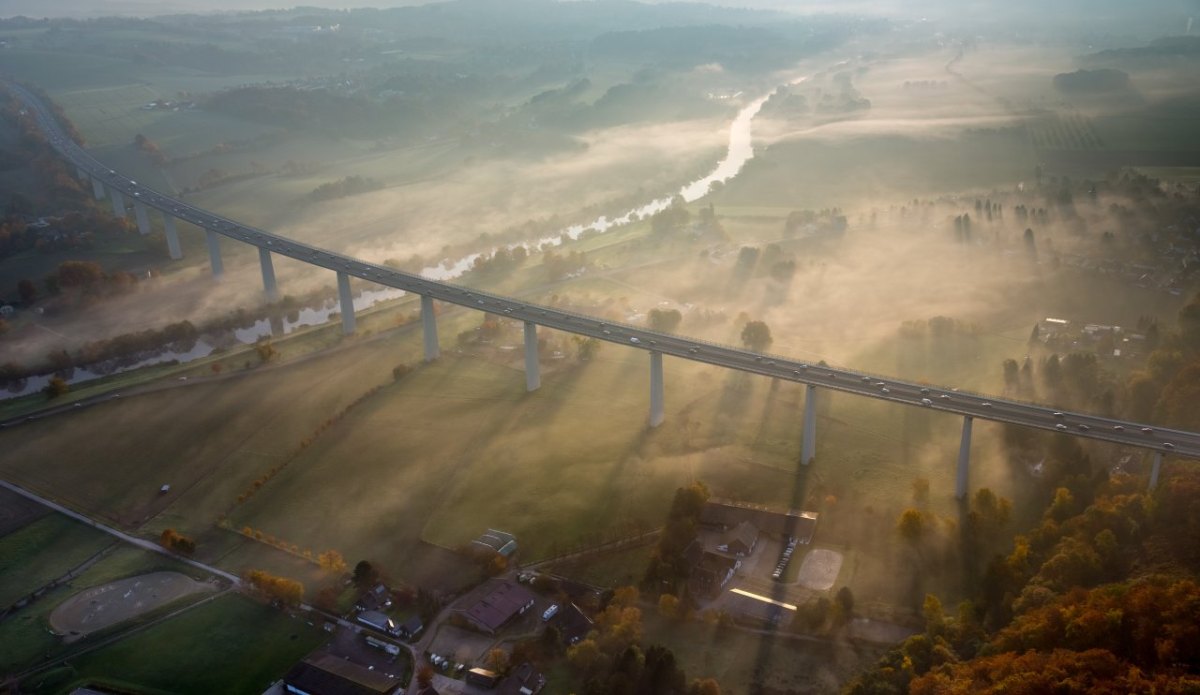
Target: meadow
<point>750,663</point>
<point>25,637</point>
<point>231,644</point>
<point>43,551</point>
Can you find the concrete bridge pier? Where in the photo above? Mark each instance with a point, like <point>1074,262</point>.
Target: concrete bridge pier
<point>1154,470</point>
<point>214,253</point>
<point>83,175</point>
<point>268,273</point>
<point>347,303</point>
<point>139,213</point>
<point>964,459</point>
<point>118,203</point>
<point>533,376</point>
<point>172,238</point>
<point>429,330</point>
<point>657,412</point>
<point>97,189</point>
<point>808,445</point>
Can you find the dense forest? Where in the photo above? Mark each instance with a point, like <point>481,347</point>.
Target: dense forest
<point>1104,594</point>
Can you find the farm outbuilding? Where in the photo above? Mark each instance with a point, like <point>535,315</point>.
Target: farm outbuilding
<point>501,542</point>
<point>503,601</point>
<point>326,674</point>
<point>724,515</point>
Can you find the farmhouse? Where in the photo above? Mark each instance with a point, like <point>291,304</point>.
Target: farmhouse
<point>326,674</point>
<point>482,677</point>
<point>741,539</point>
<point>503,601</point>
<point>711,574</point>
<point>379,621</point>
<point>412,627</point>
<point>725,514</point>
<point>524,680</point>
<point>572,624</point>
<point>376,598</point>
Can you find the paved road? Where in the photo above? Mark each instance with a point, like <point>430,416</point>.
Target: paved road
<point>937,398</point>
<point>132,540</point>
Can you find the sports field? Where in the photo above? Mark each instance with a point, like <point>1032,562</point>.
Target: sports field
<point>26,636</point>
<point>113,603</point>
<point>229,645</point>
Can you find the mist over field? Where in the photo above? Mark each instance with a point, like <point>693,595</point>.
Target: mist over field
<point>955,246</point>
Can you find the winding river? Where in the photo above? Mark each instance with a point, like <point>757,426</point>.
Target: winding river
<point>739,151</point>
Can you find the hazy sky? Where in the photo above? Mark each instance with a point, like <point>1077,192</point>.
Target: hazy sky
<point>1028,9</point>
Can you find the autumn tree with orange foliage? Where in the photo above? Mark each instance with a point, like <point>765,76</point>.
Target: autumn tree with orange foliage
<point>176,542</point>
<point>1062,613</point>
<point>1094,671</point>
<point>288,591</point>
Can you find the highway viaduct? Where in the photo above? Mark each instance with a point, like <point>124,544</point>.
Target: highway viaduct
<point>816,378</point>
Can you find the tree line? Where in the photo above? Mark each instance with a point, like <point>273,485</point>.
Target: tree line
<point>1101,597</point>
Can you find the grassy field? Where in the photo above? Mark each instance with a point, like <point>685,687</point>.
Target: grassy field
<point>612,569</point>
<point>43,551</point>
<point>752,663</point>
<point>250,424</point>
<point>811,173</point>
<point>25,637</point>
<point>229,645</point>
<point>458,447</point>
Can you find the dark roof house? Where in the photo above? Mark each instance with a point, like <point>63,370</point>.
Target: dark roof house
<point>524,680</point>
<point>711,574</point>
<point>326,674</point>
<point>377,620</point>
<point>376,598</point>
<point>482,677</point>
<point>412,627</point>
<point>572,624</point>
<point>741,539</point>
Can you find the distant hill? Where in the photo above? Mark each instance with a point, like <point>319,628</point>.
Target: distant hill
<point>1168,51</point>
<point>1102,81</point>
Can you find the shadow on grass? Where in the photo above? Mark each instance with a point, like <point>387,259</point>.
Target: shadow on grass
<point>763,658</point>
